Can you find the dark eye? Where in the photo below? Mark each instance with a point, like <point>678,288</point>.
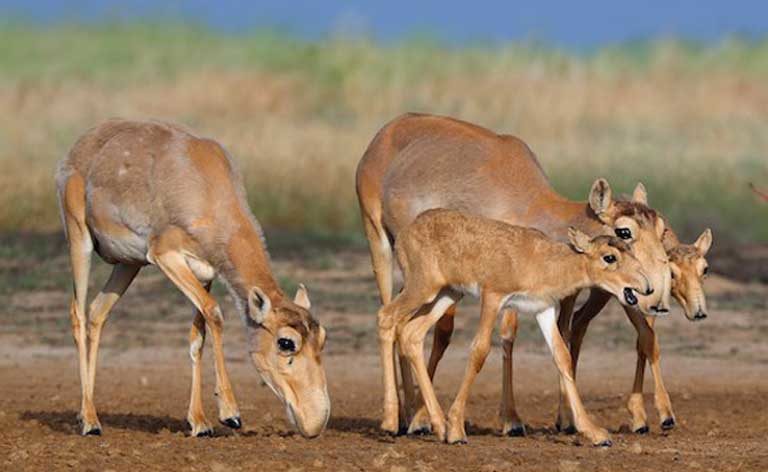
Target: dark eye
<point>286,345</point>
<point>624,233</point>
<point>706,270</point>
<point>610,258</point>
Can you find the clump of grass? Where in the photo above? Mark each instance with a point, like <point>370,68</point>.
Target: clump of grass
<point>689,121</point>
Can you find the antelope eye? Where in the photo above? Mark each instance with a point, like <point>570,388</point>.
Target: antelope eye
<point>610,258</point>
<point>286,345</point>
<point>706,270</point>
<point>624,233</point>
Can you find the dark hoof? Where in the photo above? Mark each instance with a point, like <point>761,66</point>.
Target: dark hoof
<point>423,431</point>
<point>458,442</point>
<point>668,424</point>
<point>570,430</point>
<point>606,443</point>
<point>233,422</point>
<point>93,432</point>
<point>642,430</point>
<point>516,431</point>
<point>207,433</point>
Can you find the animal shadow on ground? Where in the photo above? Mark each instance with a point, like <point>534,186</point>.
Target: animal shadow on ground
<point>67,422</point>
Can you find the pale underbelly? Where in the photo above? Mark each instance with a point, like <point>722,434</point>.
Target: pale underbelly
<point>125,246</point>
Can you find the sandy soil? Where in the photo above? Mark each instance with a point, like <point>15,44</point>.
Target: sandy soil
<point>714,370</point>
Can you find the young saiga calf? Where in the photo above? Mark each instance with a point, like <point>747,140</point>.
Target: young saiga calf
<point>689,268</point>
<point>444,251</point>
<point>141,193</point>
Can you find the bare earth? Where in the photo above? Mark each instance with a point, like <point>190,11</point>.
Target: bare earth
<point>715,371</point>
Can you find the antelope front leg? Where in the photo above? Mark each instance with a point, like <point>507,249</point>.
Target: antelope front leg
<point>479,351</point>
<point>411,335</point>
<point>196,414</point>
<point>174,266</point>
<point>440,341</point>
<point>510,421</point>
<point>648,348</point>
<point>547,320</point>
<point>404,304</point>
<point>636,404</point>
<point>579,323</point>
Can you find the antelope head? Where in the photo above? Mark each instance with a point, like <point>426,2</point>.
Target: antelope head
<point>285,343</point>
<point>642,228</point>
<point>612,266</point>
<point>689,268</point>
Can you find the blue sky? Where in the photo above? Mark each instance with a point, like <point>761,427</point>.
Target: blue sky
<point>577,24</point>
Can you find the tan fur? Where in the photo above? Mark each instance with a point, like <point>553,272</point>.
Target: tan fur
<point>153,193</point>
<point>520,268</point>
<point>417,162</point>
<point>687,263</point>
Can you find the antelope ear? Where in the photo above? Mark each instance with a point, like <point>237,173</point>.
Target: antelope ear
<point>302,297</point>
<point>704,242</point>
<point>640,195</point>
<point>600,198</point>
<point>660,227</point>
<point>259,305</point>
<point>581,242</point>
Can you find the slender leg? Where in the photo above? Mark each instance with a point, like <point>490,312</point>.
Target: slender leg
<point>382,262</point>
<point>174,266</point>
<point>481,345</point>
<point>121,277</point>
<point>581,319</point>
<point>648,348</point>
<point>196,414</point>
<point>512,425</point>
<point>412,333</point>
<point>564,414</point>
<point>80,250</point>
<point>440,341</point>
<point>408,405</point>
<point>636,404</point>
<point>548,324</point>
<point>407,302</point>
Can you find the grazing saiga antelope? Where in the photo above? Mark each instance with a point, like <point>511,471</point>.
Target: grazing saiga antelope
<point>445,251</point>
<point>419,162</point>
<point>141,193</point>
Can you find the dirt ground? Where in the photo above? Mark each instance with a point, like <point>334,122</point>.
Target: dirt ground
<point>715,371</point>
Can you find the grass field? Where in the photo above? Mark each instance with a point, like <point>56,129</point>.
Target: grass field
<point>689,121</point>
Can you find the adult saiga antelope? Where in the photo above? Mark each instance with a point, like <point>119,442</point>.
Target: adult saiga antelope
<point>508,267</point>
<point>419,162</point>
<point>143,193</point>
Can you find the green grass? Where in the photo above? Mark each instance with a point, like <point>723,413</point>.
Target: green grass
<point>688,120</point>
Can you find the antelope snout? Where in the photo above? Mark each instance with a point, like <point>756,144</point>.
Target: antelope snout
<point>629,296</point>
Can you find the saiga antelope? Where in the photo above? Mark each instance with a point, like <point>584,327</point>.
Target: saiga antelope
<point>443,251</point>
<point>141,193</point>
<point>419,162</point>
<point>689,268</point>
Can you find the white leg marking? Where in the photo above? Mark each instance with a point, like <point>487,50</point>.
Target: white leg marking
<point>548,323</point>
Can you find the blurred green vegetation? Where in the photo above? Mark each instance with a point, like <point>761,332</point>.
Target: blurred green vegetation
<point>689,120</point>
